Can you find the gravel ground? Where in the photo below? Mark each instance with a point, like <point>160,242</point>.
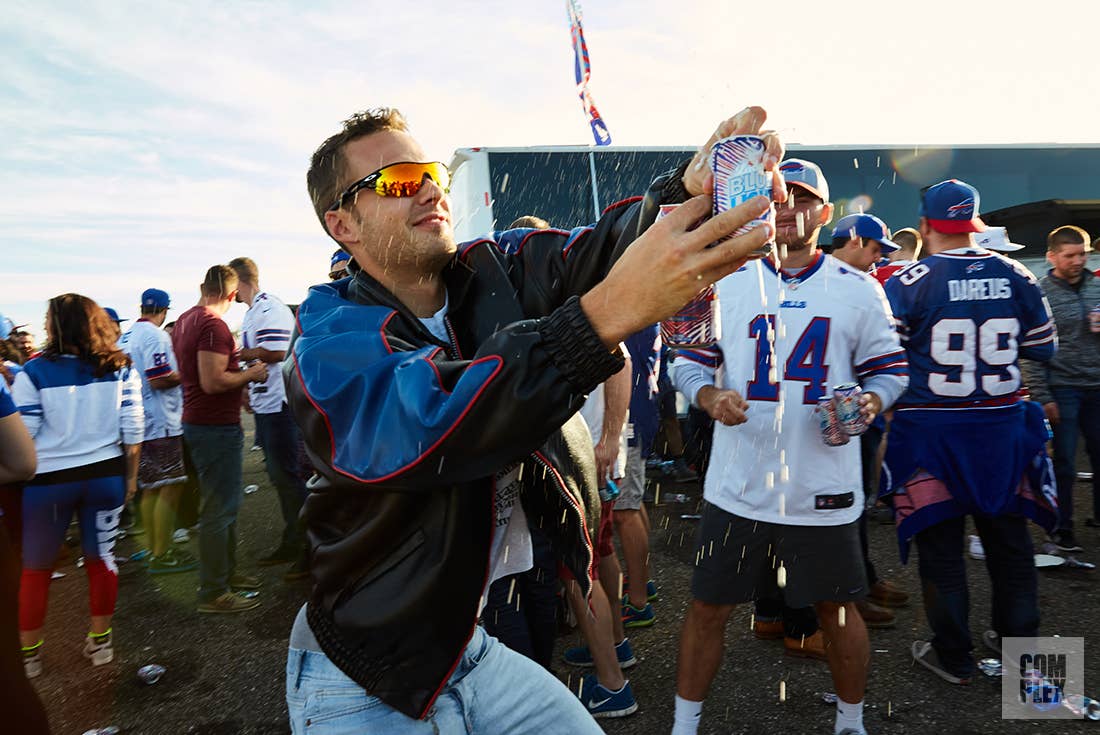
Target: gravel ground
<point>225,672</point>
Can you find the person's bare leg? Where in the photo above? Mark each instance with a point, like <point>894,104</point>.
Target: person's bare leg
<point>702,645</point>
<point>595,625</point>
<point>846,647</point>
<point>165,517</point>
<point>148,509</point>
<point>611,579</point>
<point>631,526</point>
<point>101,623</point>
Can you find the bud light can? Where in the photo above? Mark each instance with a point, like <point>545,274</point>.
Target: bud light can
<point>695,325</point>
<point>831,432</point>
<point>1094,320</point>
<point>847,408</point>
<point>739,175</point>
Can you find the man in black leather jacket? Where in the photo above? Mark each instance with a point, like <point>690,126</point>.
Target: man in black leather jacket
<point>434,388</point>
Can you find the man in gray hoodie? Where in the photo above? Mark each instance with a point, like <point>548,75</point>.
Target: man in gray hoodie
<point>1069,385</point>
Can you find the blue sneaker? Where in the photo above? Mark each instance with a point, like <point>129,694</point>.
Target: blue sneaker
<point>638,618</point>
<point>602,702</point>
<point>581,656</point>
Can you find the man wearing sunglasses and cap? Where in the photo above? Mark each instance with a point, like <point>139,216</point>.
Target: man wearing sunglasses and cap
<point>961,442</point>
<point>437,374</point>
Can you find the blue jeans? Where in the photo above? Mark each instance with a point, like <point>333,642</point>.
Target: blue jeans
<point>492,690</point>
<point>279,436</point>
<point>1078,411</point>
<point>1010,561</point>
<point>527,622</point>
<point>216,454</point>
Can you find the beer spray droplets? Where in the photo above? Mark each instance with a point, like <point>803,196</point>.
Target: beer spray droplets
<point>841,616</point>
<point>781,576</point>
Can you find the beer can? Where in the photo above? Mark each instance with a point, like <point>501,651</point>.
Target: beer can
<point>1094,319</point>
<point>831,432</point>
<point>847,408</point>
<point>739,175</point>
<point>695,325</point>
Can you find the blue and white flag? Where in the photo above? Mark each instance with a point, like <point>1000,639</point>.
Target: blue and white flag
<point>583,70</point>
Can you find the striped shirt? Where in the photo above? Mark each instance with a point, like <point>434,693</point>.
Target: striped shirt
<point>267,324</point>
<point>75,418</point>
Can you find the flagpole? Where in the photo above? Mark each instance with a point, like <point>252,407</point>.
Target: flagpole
<point>595,190</point>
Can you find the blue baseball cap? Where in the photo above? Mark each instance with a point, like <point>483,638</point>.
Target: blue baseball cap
<point>155,298</point>
<point>807,175</point>
<point>339,257</point>
<point>864,225</point>
<point>951,207</point>
<point>114,315</point>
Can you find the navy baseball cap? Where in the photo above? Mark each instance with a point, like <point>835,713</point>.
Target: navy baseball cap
<point>114,315</point>
<point>807,175</point>
<point>338,257</point>
<point>155,298</point>
<point>951,207</point>
<point>864,225</point>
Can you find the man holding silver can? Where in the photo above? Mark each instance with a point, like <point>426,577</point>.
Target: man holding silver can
<point>782,505</point>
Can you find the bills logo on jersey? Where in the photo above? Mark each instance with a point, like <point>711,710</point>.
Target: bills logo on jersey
<point>975,267</point>
<point>962,210</point>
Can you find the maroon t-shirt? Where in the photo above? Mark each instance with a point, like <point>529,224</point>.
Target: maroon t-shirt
<point>200,330</point>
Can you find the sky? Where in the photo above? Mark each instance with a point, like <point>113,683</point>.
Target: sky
<point>142,142</point>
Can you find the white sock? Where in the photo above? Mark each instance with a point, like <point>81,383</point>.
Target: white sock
<point>687,716</point>
<point>849,716</point>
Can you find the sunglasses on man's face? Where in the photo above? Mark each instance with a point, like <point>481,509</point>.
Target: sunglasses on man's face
<point>398,180</point>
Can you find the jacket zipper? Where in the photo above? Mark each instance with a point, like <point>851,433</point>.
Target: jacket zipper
<point>572,503</point>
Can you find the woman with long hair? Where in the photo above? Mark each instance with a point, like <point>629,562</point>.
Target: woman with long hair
<point>81,402</point>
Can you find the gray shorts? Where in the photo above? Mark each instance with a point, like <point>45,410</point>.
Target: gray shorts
<point>737,559</point>
<point>632,485</point>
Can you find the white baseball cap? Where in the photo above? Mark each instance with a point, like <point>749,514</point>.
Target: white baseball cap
<point>996,239</point>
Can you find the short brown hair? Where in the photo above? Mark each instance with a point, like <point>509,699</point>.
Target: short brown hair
<point>220,280</point>
<point>1066,235</point>
<point>76,325</point>
<point>246,270</point>
<point>908,239</point>
<point>328,168</point>
<point>529,221</point>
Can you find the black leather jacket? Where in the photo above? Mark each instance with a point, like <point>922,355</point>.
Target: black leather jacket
<point>407,433</point>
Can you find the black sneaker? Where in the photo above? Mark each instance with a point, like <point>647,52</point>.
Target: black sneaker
<point>1065,540</point>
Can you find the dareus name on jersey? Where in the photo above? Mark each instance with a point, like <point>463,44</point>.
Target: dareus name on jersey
<point>979,289</point>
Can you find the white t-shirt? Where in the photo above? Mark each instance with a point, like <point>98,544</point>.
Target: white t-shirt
<point>593,412</point>
<point>267,324</point>
<point>150,349</point>
<point>510,552</point>
<point>834,327</point>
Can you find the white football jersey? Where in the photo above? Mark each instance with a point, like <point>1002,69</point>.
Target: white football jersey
<point>833,326</point>
<point>150,349</point>
<point>267,324</point>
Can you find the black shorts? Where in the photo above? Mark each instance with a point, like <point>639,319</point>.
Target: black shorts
<point>736,559</point>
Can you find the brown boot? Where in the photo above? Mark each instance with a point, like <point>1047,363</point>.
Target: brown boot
<point>767,630</point>
<point>887,594</point>
<point>875,616</point>
<point>806,647</point>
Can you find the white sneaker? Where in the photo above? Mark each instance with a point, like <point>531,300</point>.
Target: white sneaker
<point>99,651</point>
<point>181,536</point>
<point>976,549</point>
<point>32,662</point>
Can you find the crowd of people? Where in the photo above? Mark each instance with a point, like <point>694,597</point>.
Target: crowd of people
<point>458,434</point>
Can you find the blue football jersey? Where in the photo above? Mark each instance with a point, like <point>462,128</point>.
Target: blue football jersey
<point>965,317</point>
